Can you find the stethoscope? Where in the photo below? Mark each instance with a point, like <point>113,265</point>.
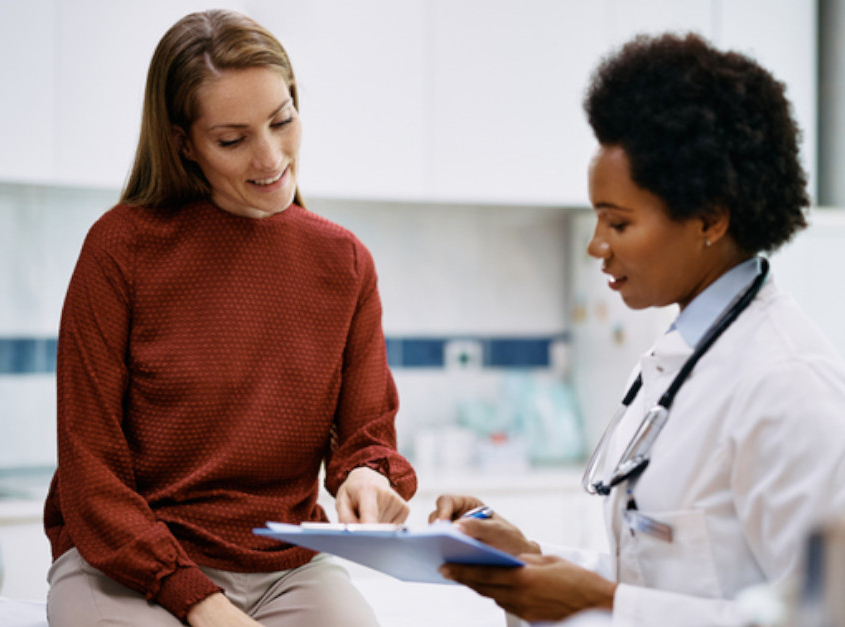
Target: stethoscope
<point>635,458</point>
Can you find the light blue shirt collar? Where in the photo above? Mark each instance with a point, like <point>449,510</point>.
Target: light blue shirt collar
<point>692,323</point>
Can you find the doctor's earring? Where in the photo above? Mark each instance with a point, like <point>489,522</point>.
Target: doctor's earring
<point>707,243</point>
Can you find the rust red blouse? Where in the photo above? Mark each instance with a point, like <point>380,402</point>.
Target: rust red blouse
<point>208,364</point>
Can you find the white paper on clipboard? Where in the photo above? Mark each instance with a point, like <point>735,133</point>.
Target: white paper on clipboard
<point>406,554</point>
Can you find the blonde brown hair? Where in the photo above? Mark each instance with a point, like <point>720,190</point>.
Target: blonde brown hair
<point>194,50</point>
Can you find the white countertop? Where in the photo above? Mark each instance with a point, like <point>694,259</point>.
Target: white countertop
<point>22,494</point>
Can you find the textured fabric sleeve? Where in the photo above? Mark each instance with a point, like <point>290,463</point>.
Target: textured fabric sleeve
<point>103,514</point>
<point>368,402</point>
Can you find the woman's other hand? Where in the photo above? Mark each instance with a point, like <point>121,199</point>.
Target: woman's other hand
<point>218,611</point>
<point>366,497</point>
<point>547,588</point>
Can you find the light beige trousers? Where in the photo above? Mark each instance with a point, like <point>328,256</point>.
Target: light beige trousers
<point>318,593</point>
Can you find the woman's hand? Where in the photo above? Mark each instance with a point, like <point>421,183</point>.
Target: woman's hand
<point>366,497</point>
<point>547,588</point>
<point>495,531</point>
<point>217,610</point>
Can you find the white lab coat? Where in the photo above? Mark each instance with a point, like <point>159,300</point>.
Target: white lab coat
<point>751,458</point>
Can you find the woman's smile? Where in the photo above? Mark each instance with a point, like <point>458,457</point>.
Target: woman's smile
<point>268,181</point>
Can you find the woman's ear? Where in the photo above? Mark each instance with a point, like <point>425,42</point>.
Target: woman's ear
<point>182,142</point>
<point>714,225</point>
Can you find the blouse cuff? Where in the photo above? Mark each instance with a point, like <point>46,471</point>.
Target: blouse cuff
<point>183,589</point>
<point>398,472</point>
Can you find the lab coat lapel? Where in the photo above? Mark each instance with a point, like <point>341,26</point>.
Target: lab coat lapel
<point>658,367</point>
<point>661,364</point>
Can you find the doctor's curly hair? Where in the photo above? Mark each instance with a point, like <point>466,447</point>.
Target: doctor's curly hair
<point>704,129</point>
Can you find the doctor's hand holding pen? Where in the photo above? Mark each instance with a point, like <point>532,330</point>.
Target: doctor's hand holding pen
<point>547,588</point>
<point>471,517</point>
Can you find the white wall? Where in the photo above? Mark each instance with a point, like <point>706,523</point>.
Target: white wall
<point>472,269</point>
<point>809,268</point>
<point>41,230</point>
<point>444,271</point>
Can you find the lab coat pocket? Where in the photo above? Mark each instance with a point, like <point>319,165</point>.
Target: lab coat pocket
<point>682,562</point>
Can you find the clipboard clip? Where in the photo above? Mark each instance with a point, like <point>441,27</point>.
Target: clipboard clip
<point>353,527</point>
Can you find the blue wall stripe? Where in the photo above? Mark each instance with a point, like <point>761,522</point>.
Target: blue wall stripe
<point>421,353</point>
<point>520,352</point>
<point>27,355</point>
<point>497,352</point>
<point>38,355</point>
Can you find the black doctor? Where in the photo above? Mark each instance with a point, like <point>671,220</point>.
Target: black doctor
<point>696,174</point>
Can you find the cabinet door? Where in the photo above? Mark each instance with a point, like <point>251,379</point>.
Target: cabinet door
<point>104,49</point>
<point>360,71</point>
<point>784,40</point>
<point>509,81</point>
<point>27,123</point>
<point>628,18</point>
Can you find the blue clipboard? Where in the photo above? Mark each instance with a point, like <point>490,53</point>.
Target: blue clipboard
<point>408,555</point>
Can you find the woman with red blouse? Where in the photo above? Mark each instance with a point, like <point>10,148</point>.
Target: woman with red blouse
<point>218,344</point>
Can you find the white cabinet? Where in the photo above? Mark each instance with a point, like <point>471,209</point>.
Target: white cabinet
<point>421,100</point>
<point>364,92</point>
<point>627,18</point>
<point>508,79</point>
<point>73,79</point>
<point>27,108</point>
<point>782,36</point>
<point>102,55</point>
<point>102,50</point>
<point>360,73</point>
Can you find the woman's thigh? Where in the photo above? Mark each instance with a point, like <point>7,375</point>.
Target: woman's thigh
<point>318,593</point>
<point>80,595</point>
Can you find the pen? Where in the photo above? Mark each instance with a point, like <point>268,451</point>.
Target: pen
<point>482,511</point>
